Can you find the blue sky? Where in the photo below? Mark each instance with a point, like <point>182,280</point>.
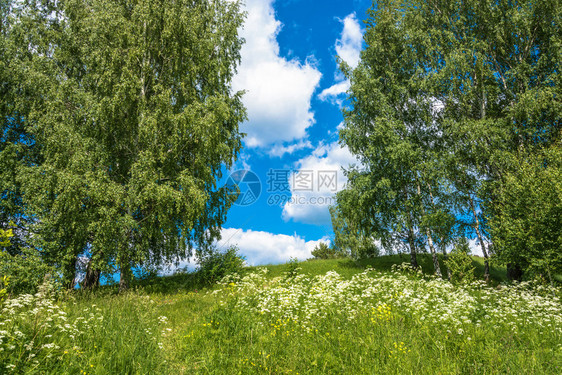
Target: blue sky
<point>294,93</point>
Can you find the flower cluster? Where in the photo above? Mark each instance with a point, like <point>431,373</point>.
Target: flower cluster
<point>305,301</point>
<point>398,349</point>
<point>381,313</point>
<point>33,327</point>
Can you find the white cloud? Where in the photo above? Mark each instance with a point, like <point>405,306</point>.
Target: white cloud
<point>475,247</point>
<point>261,248</point>
<point>280,150</point>
<point>278,91</point>
<point>335,90</point>
<point>348,48</point>
<point>312,207</point>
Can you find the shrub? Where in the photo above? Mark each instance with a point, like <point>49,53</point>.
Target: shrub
<point>25,270</point>
<point>4,241</point>
<point>5,236</point>
<point>405,268</point>
<point>323,251</point>
<point>22,272</point>
<point>215,264</point>
<point>292,268</point>
<point>460,263</point>
<point>3,288</point>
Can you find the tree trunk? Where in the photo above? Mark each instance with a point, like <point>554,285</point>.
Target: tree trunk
<point>433,254</point>
<point>481,240</point>
<point>93,273</point>
<point>69,273</point>
<point>413,258</point>
<point>430,240</point>
<point>411,241</point>
<point>125,267</point>
<point>442,245</point>
<point>124,276</point>
<point>411,237</point>
<point>445,257</point>
<point>92,278</point>
<point>476,222</point>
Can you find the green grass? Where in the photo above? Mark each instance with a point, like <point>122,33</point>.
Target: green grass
<point>348,267</point>
<point>310,324</point>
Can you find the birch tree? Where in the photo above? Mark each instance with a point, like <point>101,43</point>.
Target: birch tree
<point>389,128</point>
<point>136,119</point>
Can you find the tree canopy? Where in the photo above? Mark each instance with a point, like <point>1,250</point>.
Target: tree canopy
<point>131,105</point>
<point>446,96</point>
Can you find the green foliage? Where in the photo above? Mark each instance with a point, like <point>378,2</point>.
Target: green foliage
<point>323,251</point>
<point>131,109</point>
<point>4,241</point>
<point>351,240</point>
<point>527,213</point>
<point>406,269</point>
<point>459,263</point>
<point>26,270</point>
<point>22,272</point>
<point>5,236</point>
<point>399,184</point>
<point>4,282</point>
<point>292,269</point>
<point>215,264</point>
<point>444,99</point>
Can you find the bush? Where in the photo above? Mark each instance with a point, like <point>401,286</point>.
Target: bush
<point>26,270</point>
<point>526,215</point>
<point>292,269</point>
<point>3,288</point>
<point>22,272</point>
<point>323,251</point>
<point>5,236</point>
<point>215,264</point>
<point>460,263</point>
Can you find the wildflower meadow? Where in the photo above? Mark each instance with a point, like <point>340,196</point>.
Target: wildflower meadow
<point>287,320</point>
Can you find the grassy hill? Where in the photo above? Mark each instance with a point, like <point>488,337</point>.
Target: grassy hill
<point>312,267</point>
<point>315,317</point>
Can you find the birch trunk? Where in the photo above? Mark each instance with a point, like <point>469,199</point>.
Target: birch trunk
<point>124,276</point>
<point>430,240</point>
<point>411,242</point>
<point>476,227</point>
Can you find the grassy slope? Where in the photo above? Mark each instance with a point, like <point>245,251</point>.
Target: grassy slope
<point>201,335</point>
<point>348,267</point>
<point>345,267</point>
<point>241,346</point>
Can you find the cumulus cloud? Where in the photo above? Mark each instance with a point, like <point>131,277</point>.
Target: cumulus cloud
<point>334,91</point>
<point>475,247</point>
<point>314,184</point>
<point>280,150</point>
<point>348,48</point>
<point>258,247</point>
<point>261,248</point>
<point>278,91</point>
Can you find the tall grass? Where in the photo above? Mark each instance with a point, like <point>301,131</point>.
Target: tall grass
<point>351,321</point>
<point>90,334</point>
